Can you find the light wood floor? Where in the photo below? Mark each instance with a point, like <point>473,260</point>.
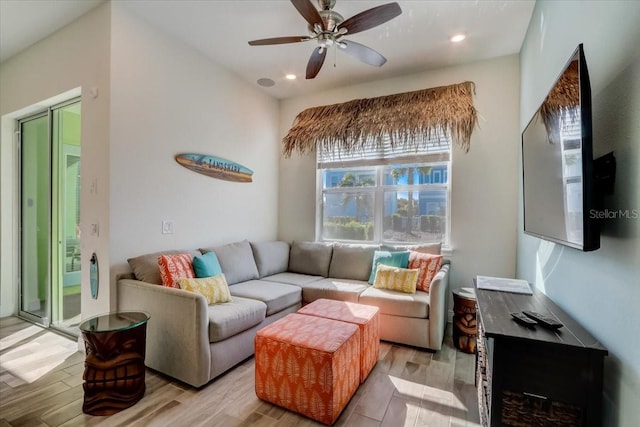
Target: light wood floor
<point>41,385</point>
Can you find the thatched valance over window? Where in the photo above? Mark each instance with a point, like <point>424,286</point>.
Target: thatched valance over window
<point>406,120</point>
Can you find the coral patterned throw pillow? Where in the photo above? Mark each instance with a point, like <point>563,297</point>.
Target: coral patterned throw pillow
<point>428,264</point>
<point>173,267</point>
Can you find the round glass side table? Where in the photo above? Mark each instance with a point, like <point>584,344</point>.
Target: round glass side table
<point>114,366</point>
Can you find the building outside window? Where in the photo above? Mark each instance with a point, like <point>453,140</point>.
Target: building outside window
<point>385,195</point>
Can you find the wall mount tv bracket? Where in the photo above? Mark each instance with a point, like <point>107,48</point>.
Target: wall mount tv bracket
<point>604,168</point>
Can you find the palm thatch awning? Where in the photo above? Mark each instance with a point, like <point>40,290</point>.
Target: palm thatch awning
<point>407,119</point>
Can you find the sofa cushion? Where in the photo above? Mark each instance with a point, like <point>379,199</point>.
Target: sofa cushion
<point>206,265</point>
<point>292,278</point>
<point>428,264</point>
<point>396,279</point>
<point>146,269</point>
<point>310,258</point>
<point>277,296</point>
<point>351,261</point>
<point>236,260</point>
<point>394,259</point>
<point>336,289</point>
<point>173,267</point>
<point>271,257</point>
<point>213,289</point>
<point>397,303</point>
<point>231,318</point>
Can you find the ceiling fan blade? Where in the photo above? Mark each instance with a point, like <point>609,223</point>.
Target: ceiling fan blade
<point>363,53</point>
<point>315,62</point>
<point>308,12</point>
<point>279,40</point>
<point>371,18</point>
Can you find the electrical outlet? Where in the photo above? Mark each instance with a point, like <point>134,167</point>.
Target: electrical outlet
<point>94,230</point>
<point>167,227</point>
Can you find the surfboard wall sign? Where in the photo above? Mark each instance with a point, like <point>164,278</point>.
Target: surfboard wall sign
<point>215,167</point>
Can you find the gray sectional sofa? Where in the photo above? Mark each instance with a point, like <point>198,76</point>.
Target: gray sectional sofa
<point>195,342</point>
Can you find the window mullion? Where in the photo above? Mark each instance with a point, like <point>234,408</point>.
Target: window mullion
<point>379,205</point>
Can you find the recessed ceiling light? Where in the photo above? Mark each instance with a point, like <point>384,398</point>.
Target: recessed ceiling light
<point>291,77</point>
<point>458,38</point>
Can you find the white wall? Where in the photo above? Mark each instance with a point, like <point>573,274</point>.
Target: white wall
<point>600,289</point>
<point>73,59</point>
<point>168,99</point>
<point>483,182</point>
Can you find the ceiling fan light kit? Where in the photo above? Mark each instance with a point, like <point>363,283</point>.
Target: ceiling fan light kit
<point>328,28</point>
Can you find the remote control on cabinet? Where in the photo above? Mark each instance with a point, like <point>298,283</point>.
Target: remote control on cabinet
<point>543,320</point>
<point>523,320</point>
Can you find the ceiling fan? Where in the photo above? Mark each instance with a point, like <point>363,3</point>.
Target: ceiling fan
<point>328,28</point>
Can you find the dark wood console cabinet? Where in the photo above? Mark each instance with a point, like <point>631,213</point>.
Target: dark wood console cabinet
<point>535,377</point>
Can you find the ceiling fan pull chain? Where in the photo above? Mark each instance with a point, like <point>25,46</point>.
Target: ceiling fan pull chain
<point>335,49</point>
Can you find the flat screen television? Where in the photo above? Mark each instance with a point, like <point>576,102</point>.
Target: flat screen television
<point>557,163</point>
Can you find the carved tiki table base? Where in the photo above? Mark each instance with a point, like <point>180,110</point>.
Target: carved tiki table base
<point>114,366</point>
<point>464,320</point>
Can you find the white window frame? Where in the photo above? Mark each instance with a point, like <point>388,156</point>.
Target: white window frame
<point>378,192</point>
<point>429,149</point>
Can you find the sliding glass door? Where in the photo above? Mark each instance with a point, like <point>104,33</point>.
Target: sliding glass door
<point>50,217</point>
<point>35,169</point>
<point>66,216</point>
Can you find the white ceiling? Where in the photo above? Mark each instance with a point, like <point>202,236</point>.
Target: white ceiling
<point>415,41</point>
<point>24,22</point>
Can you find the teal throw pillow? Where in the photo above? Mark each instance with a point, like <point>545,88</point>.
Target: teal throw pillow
<point>206,265</point>
<point>393,259</point>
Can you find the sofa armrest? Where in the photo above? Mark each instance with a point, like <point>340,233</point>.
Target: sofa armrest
<point>438,299</point>
<point>177,331</point>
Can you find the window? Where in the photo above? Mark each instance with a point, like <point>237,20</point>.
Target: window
<point>379,196</point>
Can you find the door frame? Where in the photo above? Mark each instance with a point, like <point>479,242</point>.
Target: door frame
<point>54,275</point>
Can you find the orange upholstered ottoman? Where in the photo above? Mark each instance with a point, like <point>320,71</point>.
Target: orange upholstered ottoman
<point>365,316</point>
<point>309,365</point>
